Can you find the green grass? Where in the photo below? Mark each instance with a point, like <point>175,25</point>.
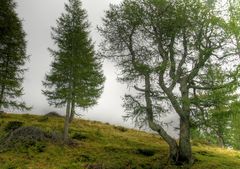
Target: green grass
<point>99,146</point>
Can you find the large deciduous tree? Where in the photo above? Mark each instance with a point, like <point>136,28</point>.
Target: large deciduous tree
<point>163,49</point>
<point>76,78</point>
<point>12,57</point>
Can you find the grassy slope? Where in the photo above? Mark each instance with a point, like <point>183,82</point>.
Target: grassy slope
<point>106,146</point>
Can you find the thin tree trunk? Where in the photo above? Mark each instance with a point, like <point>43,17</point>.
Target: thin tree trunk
<point>220,140</point>
<point>185,150</point>
<point>1,97</point>
<point>3,78</point>
<point>66,123</point>
<point>72,111</point>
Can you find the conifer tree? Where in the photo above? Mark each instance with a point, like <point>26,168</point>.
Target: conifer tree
<point>76,78</point>
<point>12,57</point>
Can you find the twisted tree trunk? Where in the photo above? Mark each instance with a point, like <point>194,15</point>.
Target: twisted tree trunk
<point>173,147</point>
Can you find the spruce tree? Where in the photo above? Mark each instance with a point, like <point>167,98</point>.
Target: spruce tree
<point>12,57</point>
<point>76,78</point>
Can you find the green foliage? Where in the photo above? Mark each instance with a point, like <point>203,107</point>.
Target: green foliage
<point>213,121</point>
<point>53,114</point>
<point>120,128</point>
<point>79,136</point>
<point>76,78</point>
<point>146,152</point>
<point>76,74</point>
<point>12,125</point>
<point>12,57</point>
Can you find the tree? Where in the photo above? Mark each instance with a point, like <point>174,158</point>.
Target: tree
<point>12,57</point>
<point>162,48</point>
<point>213,118</point>
<point>76,78</point>
<point>234,138</point>
<point>219,119</point>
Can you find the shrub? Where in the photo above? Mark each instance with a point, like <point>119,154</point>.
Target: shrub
<point>53,114</point>
<point>120,128</point>
<point>145,152</point>
<point>13,125</point>
<point>39,147</point>
<point>23,138</point>
<point>79,136</point>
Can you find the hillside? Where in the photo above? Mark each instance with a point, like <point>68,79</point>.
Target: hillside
<point>97,145</point>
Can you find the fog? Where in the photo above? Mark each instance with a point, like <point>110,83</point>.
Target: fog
<point>38,16</point>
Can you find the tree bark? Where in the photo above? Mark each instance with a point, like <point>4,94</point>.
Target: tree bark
<point>220,142</point>
<point>220,139</point>
<point>173,147</point>
<point>72,111</point>
<point>1,97</point>
<point>66,123</point>
<point>185,150</point>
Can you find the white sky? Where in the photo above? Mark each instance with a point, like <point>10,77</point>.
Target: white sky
<point>38,17</point>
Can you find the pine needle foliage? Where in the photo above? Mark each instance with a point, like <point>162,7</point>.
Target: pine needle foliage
<point>76,77</point>
<point>12,57</point>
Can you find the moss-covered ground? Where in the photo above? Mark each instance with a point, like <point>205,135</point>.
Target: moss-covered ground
<point>98,145</point>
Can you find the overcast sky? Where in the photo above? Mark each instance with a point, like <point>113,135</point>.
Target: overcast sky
<point>38,17</point>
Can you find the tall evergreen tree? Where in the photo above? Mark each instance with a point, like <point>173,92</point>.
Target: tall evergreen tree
<point>76,78</point>
<point>12,57</point>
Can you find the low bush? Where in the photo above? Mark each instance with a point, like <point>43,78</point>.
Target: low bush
<point>120,128</point>
<point>53,114</point>
<point>23,138</point>
<point>12,125</point>
<point>39,147</point>
<point>145,151</point>
<point>79,136</point>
